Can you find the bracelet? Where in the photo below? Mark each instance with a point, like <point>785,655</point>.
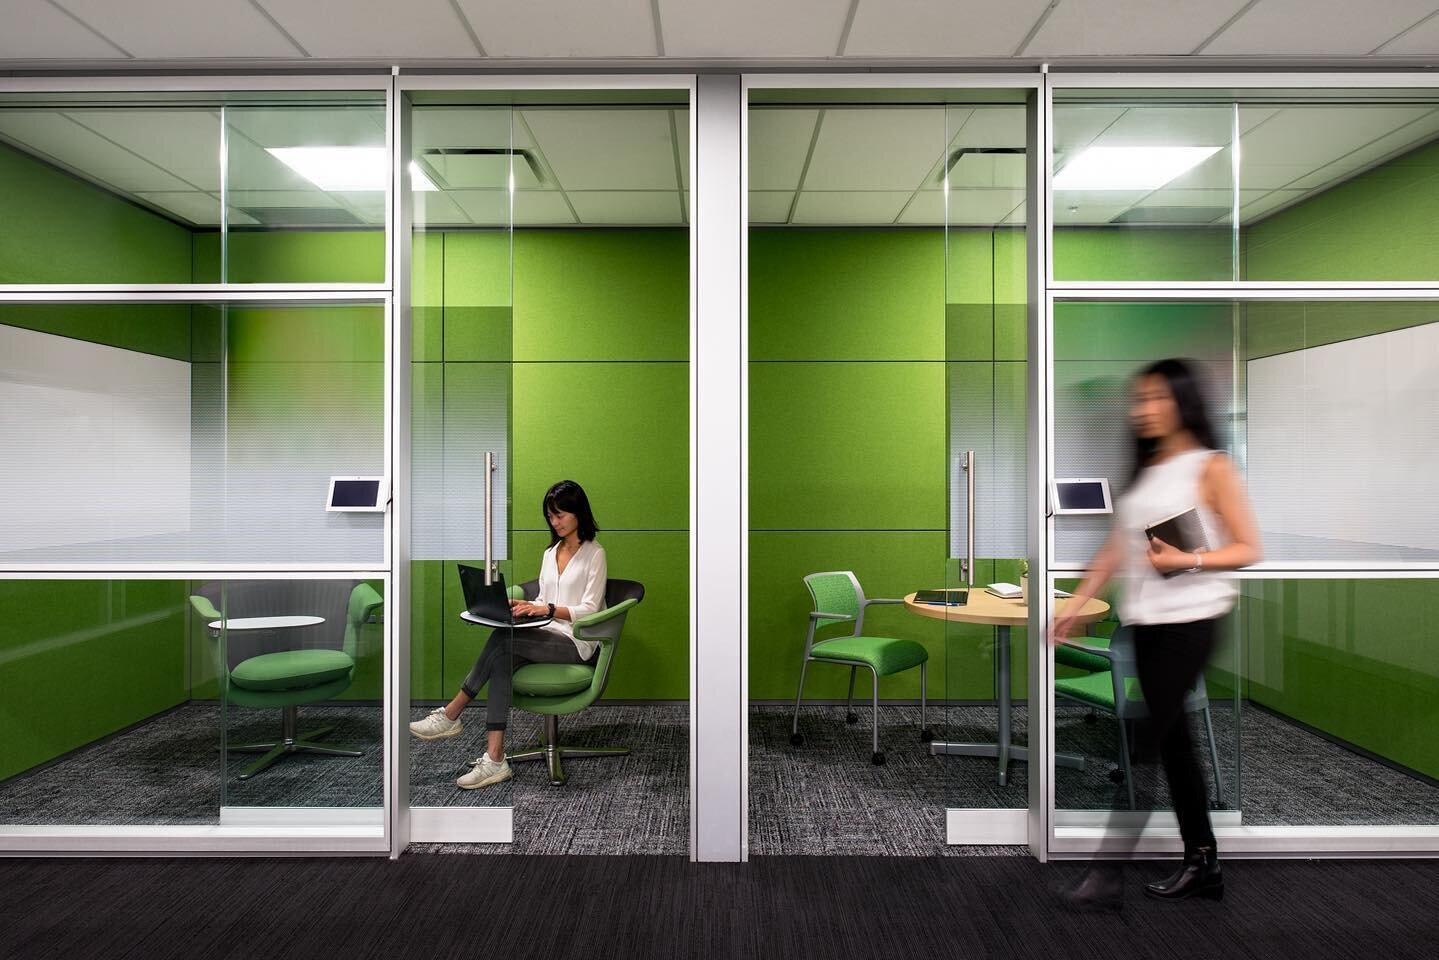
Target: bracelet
<point>1198,563</point>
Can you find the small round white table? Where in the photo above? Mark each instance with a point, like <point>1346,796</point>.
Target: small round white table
<point>266,623</point>
<point>469,617</point>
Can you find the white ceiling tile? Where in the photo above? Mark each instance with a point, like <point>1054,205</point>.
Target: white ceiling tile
<point>298,126</point>
<point>1093,206</point>
<point>198,208</point>
<point>769,206</point>
<point>753,28</point>
<point>837,207</point>
<point>876,149</point>
<point>1005,170</point>
<point>461,171</point>
<point>418,29</point>
<point>563,28</point>
<point>1384,148</point>
<point>466,126</point>
<point>926,208</point>
<point>435,209</point>
<point>1190,126</point>
<point>987,126</point>
<point>250,167</point>
<point>1267,203</point>
<point>967,208</point>
<point>1077,125</point>
<point>161,29</point>
<point>185,142</point>
<point>1092,27</point>
<point>626,207</point>
<point>282,198</point>
<point>1317,27</point>
<point>537,208</point>
<point>682,143</point>
<point>941,28</point>
<point>1298,140</point>
<point>85,151</point>
<point>779,141</point>
<point>36,30</point>
<point>606,149</point>
<point>368,205</point>
<point>1422,41</point>
<point>490,208</point>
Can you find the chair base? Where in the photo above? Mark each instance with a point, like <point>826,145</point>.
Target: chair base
<point>555,753</point>
<point>289,742</point>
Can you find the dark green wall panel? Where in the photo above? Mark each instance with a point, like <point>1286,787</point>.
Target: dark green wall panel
<point>292,256</point>
<point>1143,253</point>
<point>159,329</point>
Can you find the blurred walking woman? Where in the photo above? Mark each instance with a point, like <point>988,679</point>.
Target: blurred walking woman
<point>1169,597</point>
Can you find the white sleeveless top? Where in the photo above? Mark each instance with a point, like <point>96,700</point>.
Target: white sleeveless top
<point>1159,492</point>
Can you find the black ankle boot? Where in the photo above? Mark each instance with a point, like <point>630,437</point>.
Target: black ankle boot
<point>1101,888</point>
<point>1197,876</point>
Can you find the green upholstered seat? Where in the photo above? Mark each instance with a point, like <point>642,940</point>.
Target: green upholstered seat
<point>292,669</point>
<point>1097,689</point>
<point>1083,660</point>
<point>553,679</point>
<point>884,655</point>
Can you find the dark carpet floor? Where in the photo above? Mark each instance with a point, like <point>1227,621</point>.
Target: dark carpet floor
<point>787,908</point>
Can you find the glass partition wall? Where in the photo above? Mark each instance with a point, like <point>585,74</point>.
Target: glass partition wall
<point>550,302</point>
<point>194,333</point>
<point>1276,237</point>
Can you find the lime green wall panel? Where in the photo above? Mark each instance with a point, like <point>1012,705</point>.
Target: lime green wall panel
<point>477,334</point>
<point>329,334</point>
<point>477,268</point>
<point>114,650</point>
<point>293,256</point>
<point>601,295</point>
<point>428,617</point>
<point>845,445</point>
<point>427,269</point>
<point>1143,253</point>
<point>652,661</point>
<point>55,228</point>
<point>846,294</point>
<point>618,429</point>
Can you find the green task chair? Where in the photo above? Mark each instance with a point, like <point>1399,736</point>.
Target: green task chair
<point>1116,690</point>
<point>556,690</point>
<point>286,679</point>
<point>838,599</point>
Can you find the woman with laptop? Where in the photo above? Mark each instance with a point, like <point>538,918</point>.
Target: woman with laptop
<point>571,586</point>
<point>1184,489</point>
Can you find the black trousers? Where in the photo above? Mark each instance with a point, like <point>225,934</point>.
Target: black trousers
<point>1170,657</point>
<point>504,653</point>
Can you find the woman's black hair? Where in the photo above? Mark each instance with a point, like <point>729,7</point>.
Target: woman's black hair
<point>570,497</point>
<point>1188,397</point>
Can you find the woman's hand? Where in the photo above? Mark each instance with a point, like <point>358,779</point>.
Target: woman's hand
<point>1061,629</point>
<point>1167,559</point>
<point>523,608</point>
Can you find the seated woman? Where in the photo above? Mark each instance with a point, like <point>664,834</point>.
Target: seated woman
<point>572,585</point>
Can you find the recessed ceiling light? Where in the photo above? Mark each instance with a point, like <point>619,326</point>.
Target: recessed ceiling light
<point>337,168</point>
<point>419,182</point>
<point>1129,168</point>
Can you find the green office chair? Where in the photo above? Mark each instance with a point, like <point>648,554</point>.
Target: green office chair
<point>288,678</point>
<point>838,599</point>
<point>556,690</point>
<point>1116,690</point>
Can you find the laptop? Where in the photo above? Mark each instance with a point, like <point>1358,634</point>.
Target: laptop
<point>491,602</point>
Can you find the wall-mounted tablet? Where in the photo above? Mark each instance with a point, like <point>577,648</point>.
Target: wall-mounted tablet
<point>358,495</point>
<point>1081,495</point>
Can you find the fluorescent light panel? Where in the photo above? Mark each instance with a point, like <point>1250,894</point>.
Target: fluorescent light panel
<point>337,168</point>
<point>1129,168</point>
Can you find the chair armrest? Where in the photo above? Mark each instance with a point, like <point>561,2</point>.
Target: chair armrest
<point>600,616</point>
<point>1104,652</point>
<point>205,609</point>
<point>830,616</point>
<point>882,600</point>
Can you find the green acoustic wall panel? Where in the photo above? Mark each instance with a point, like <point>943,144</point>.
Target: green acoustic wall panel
<point>985,314</point>
<point>1355,659</point>
<point>652,662</point>
<point>1137,331</point>
<point>292,256</point>
<point>1143,253</point>
<point>1380,225</point>
<point>602,295</point>
<point>159,329</point>
<point>427,630</point>
<point>618,429</point>
<point>846,445</point>
<point>55,228</point>
<point>329,334</point>
<point>114,651</point>
<point>476,334</point>
<point>477,268</point>
<point>427,297</point>
<point>846,294</point>
<point>1274,327</point>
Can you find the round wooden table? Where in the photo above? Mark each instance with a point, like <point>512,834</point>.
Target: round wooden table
<point>985,608</point>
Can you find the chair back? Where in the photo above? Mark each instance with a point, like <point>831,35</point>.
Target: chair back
<point>836,591</point>
<point>607,633</point>
<point>331,599</point>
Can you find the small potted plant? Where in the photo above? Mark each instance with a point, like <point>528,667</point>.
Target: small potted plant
<point>1024,581</point>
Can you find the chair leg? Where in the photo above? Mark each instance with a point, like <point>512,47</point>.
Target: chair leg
<point>925,734</point>
<point>878,756</point>
<point>289,742</point>
<point>1124,762</point>
<point>1214,758</point>
<point>849,715</point>
<point>795,737</point>
<point>553,752</point>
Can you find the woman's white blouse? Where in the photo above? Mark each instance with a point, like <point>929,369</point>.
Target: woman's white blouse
<point>581,588</point>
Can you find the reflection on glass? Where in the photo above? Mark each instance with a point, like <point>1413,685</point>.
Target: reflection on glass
<point>178,433</point>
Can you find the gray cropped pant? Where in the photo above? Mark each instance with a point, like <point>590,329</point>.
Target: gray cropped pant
<point>505,652</point>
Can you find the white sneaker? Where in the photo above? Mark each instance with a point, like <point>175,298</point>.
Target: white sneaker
<point>484,773</point>
<point>436,726</point>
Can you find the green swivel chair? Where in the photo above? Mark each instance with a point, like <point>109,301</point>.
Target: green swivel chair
<point>838,599</point>
<point>556,690</point>
<point>286,679</point>
<point>1116,690</point>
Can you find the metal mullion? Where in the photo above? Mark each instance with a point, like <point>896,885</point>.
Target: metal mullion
<point>1299,80</point>
<point>540,83</point>
<point>199,83</point>
<point>197,293</point>
<point>1026,80</point>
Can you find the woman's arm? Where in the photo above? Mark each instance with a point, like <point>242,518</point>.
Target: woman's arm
<point>1223,490</point>
<point>593,597</point>
<point>1101,570</point>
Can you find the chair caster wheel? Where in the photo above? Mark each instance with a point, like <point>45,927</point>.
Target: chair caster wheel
<point>851,718</point>
<point>926,735</point>
<point>877,759</point>
<point>1116,776</point>
<point>1091,718</point>
<point>796,739</point>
